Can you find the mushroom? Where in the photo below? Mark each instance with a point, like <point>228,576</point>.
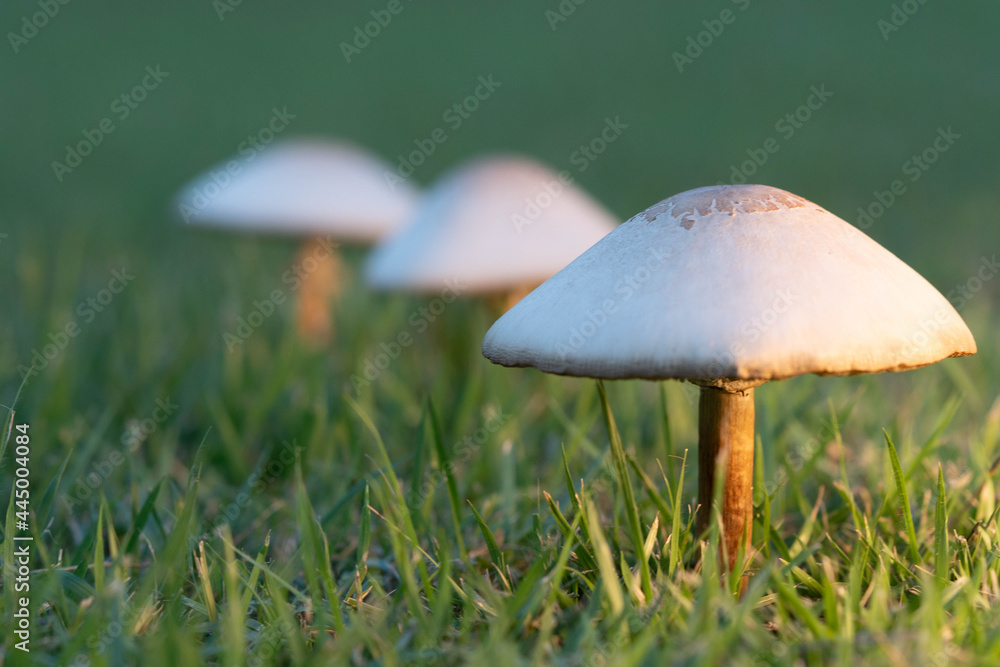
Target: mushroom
<point>729,287</point>
<point>324,191</point>
<point>496,226</point>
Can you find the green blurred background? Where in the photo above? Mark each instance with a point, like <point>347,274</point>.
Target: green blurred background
<point>940,69</point>
<point>162,339</point>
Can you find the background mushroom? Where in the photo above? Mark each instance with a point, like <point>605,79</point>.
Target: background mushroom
<point>729,287</point>
<point>327,192</point>
<point>497,226</point>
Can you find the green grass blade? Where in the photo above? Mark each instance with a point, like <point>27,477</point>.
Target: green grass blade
<point>287,621</point>
<point>9,567</point>
<point>99,551</point>
<point>444,599</point>
<point>791,599</point>
<point>574,499</point>
<point>556,575</point>
<point>255,573</point>
<point>418,468</point>
<point>364,539</point>
<point>399,498</point>
<point>944,419</point>
<point>132,542</point>
<point>404,556</point>
<point>897,472</point>
<point>47,504</point>
<point>444,462</point>
<point>610,583</point>
<point>9,421</point>
<point>765,503</point>
<point>941,557</point>
<point>496,555</point>
<point>675,528</point>
<point>631,508</point>
<point>583,555</point>
<point>668,440</point>
<point>167,564</point>
<point>316,558</point>
<point>651,491</point>
<point>234,629</point>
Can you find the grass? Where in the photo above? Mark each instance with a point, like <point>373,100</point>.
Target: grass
<point>485,513</point>
<point>196,504</point>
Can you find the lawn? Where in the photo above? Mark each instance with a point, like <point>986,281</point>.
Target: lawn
<point>206,492</point>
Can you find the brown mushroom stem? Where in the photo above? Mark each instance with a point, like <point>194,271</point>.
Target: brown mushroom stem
<point>318,264</point>
<point>725,437</point>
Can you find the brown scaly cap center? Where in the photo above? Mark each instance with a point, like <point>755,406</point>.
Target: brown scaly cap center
<point>687,207</point>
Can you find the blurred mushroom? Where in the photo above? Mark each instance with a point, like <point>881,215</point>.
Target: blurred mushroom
<point>729,287</point>
<point>497,226</point>
<point>324,191</point>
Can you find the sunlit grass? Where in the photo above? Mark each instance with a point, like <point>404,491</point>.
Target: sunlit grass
<point>456,511</point>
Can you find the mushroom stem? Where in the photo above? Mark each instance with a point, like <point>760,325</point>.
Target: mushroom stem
<point>318,264</point>
<point>725,437</point>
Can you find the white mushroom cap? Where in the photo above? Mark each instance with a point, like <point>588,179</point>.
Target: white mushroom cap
<point>301,188</point>
<point>746,283</point>
<point>491,224</point>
